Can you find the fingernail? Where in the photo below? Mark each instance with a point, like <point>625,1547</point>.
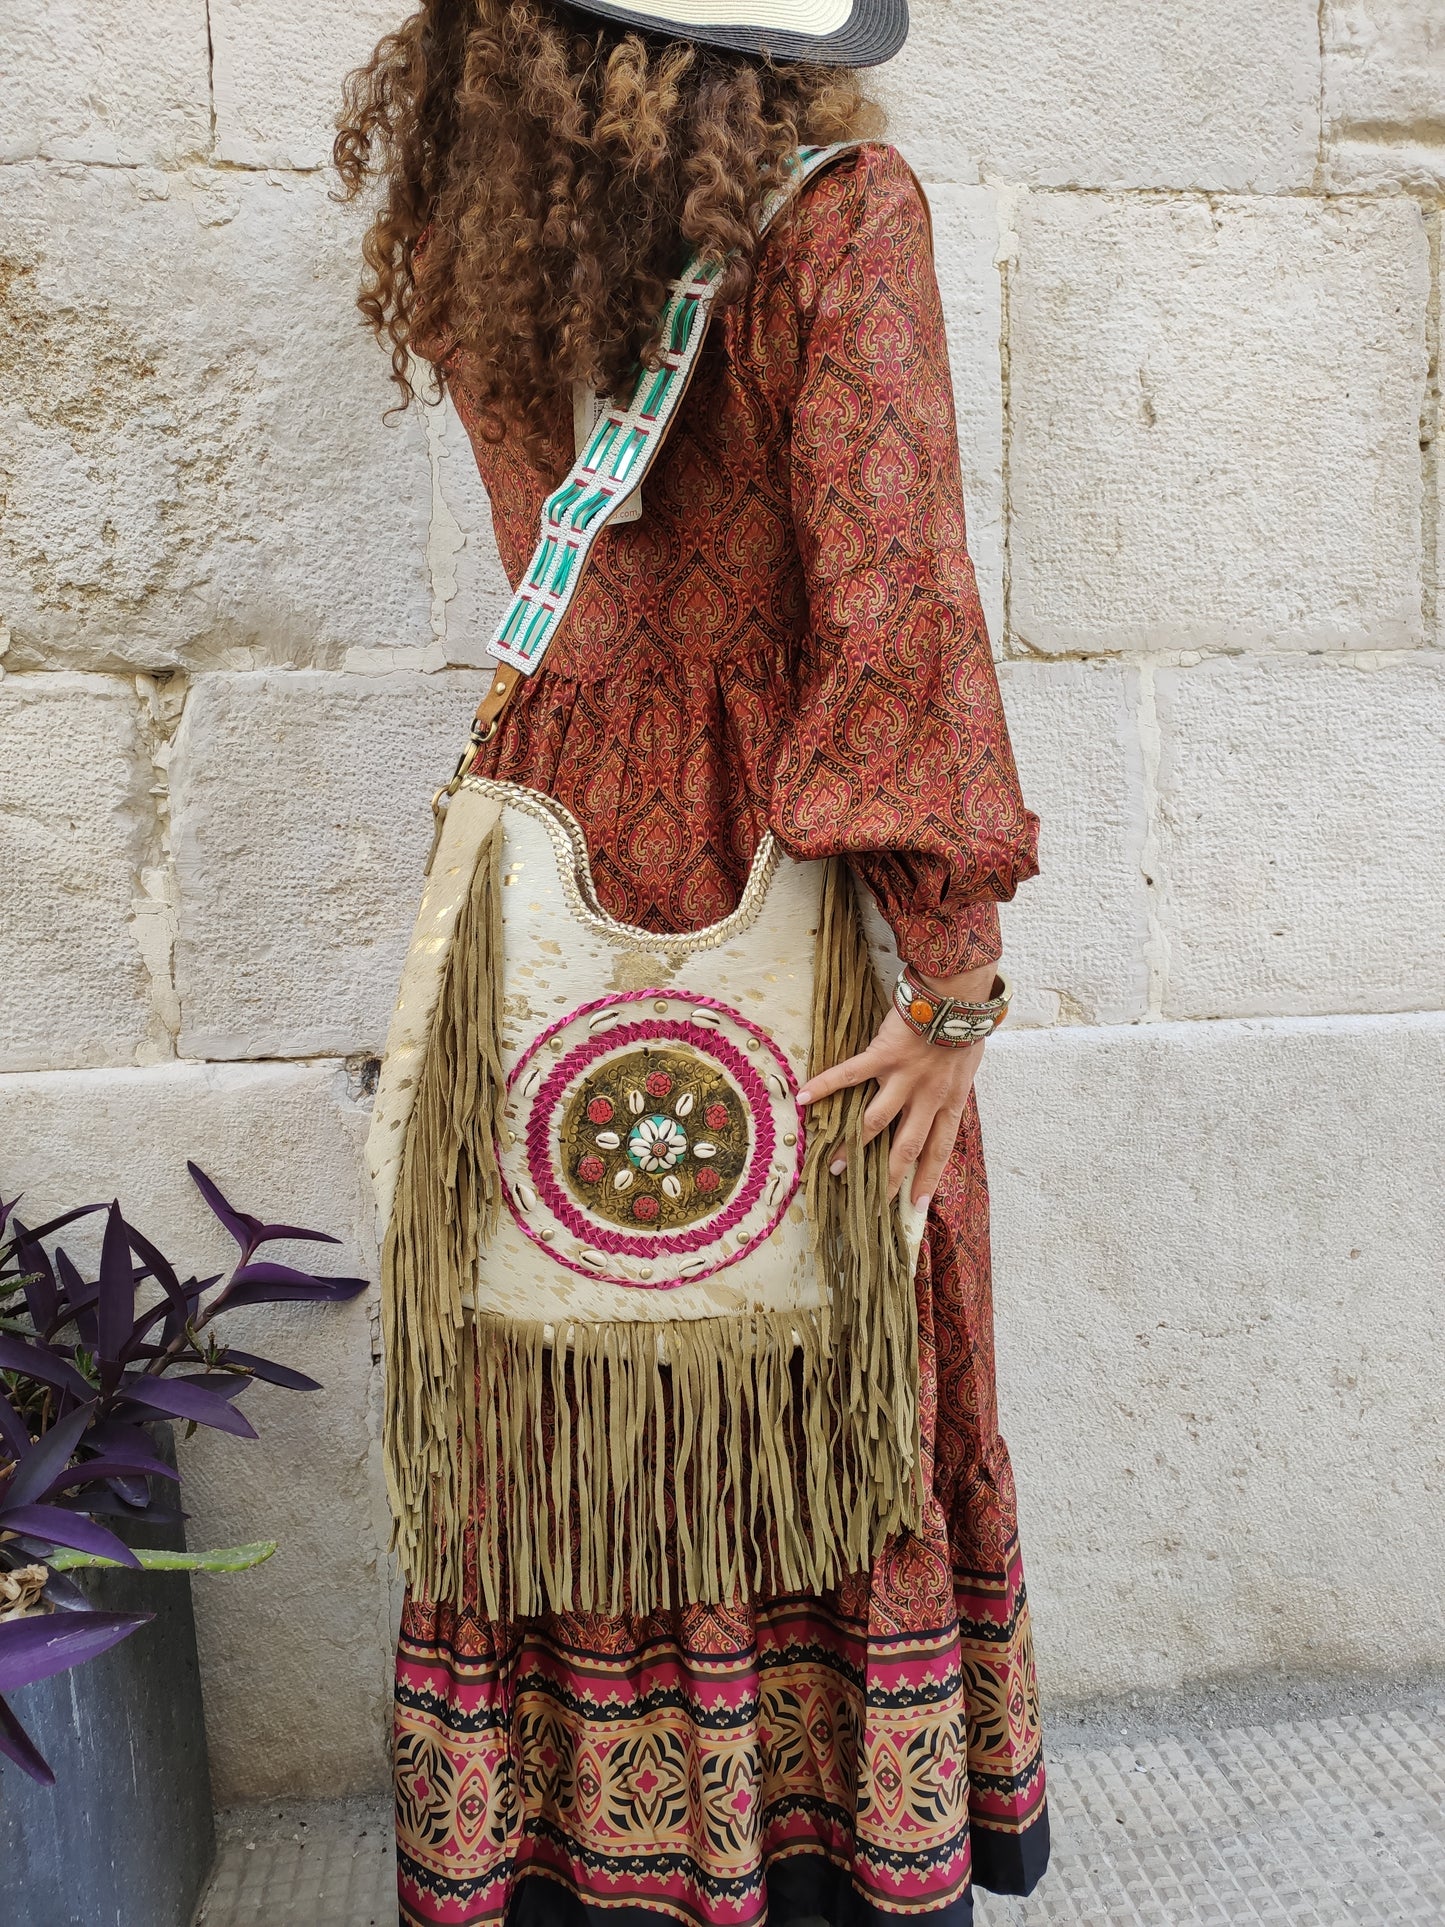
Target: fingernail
<point>838,1167</point>
<point>805,1097</point>
<point>922,1204</point>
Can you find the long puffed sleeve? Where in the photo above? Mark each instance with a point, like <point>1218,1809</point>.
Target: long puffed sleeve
<point>896,753</point>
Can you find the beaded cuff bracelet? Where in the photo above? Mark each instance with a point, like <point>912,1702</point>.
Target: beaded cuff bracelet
<point>949,1020</point>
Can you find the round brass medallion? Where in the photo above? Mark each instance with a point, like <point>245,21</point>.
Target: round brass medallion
<point>654,1139</point>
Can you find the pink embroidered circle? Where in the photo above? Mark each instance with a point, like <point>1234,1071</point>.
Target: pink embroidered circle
<point>690,1111</point>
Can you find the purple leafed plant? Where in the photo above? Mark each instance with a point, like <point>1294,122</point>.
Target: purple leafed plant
<point>86,1365</point>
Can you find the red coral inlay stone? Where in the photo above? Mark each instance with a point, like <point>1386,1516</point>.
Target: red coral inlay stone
<point>706,1180</point>
<point>658,1083</point>
<point>645,1208</point>
<point>590,1170</point>
<point>600,1110</point>
<point>717,1117</point>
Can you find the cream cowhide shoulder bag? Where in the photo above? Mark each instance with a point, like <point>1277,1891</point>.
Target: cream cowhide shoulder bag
<point>642,1349</point>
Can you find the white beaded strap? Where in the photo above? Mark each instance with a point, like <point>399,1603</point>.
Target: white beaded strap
<point>620,450</point>
<point>609,470</point>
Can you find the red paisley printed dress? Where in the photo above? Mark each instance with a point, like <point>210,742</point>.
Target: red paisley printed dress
<point>790,637</point>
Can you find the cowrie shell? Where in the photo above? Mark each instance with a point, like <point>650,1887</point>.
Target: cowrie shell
<point>708,1019</point>
<point>531,1080</point>
<point>603,1017</point>
<point>671,1186</point>
<point>684,1104</point>
<point>623,1180</point>
<point>704,1150</point>
<point>526,1196</point>
<point>692,1267</point>
<point>777,1083</point>
<point>587,1257</point>
<point>607,1140</point>
<point>636,1103</point>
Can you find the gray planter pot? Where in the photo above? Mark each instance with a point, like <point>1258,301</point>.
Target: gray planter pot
<point>125,1836</point>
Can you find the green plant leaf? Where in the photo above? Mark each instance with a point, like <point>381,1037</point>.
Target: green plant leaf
<point>223,1559</point>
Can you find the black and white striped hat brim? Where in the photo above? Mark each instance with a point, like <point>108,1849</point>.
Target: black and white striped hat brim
<point>841,33</point>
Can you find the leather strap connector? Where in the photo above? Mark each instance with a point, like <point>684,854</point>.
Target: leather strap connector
<point>492,706</point>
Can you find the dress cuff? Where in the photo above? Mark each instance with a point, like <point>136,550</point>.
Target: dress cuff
<point>946,946</point>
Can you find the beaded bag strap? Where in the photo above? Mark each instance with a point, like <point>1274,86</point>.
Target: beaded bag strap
<point>610,469</point>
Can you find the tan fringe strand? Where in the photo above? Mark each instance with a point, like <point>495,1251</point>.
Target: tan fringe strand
<point>574,1516</point>
<point>448,1196</point>
<point>861,1247</point>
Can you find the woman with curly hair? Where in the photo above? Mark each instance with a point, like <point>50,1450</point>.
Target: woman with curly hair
<point>781,633</point>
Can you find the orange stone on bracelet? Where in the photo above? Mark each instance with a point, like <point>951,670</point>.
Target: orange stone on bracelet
<point>921,1011</point>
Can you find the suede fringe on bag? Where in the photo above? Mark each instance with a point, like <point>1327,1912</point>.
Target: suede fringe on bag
<point>631,1466</point>
<point>862,1251</point>
<point>448,1197</point>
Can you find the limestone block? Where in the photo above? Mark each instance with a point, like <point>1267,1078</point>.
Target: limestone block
<point>1075,936</point>
<point>293,1655</point>
<point>1432,440</point>
<point>1302,819</point>
<point>470,591</point>
<point>1109,93</point>
<point>1385,93</point>
<point>191,437</point>
<point>1216,423</point>
<point>104,80</point>
<point>301,824</point>
<point>279,74</point>
<point>76,824</point>
<point>1218,1253</point>
<point>965,247</point>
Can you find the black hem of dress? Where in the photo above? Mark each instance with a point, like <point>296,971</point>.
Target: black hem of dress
<point>808,1886</point>
<point>1011,1863</point>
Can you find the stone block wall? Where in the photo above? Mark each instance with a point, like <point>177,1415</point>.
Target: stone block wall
<point>1191,262</point>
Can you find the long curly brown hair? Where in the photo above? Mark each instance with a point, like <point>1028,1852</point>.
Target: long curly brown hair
<point>561,170</point>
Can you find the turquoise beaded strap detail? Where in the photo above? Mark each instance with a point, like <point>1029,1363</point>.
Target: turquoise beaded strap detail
<point>619,452</point>
<point>608,470</point>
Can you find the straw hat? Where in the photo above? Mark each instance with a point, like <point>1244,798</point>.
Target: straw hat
<point>842,33</point>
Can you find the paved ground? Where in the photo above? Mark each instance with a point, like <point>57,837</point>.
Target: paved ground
<point>303,1866</point>
<point>1329,1813</point>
